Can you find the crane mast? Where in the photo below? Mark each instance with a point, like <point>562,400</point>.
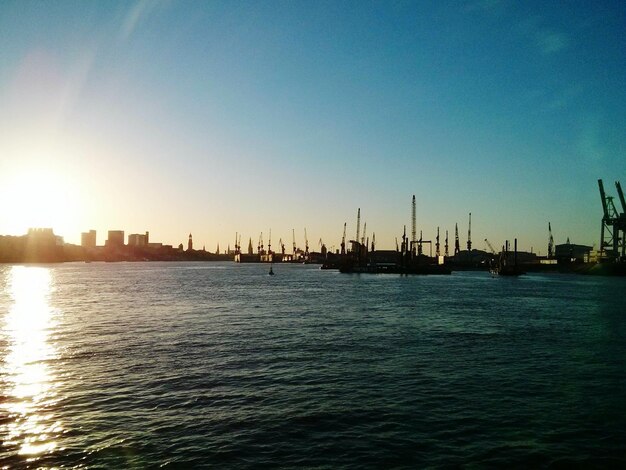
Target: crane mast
<point>293,237</point>
<point>358,225</point>
<point>413,226</point>
<point>343,240</point>
<point>469,234</point>
<point>446,245</point>
<point>306,245</point>
<point>437,253</point>
<point>457,248</point>
<point>550,242</point>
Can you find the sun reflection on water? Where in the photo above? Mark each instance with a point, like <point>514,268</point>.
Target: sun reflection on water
<point>26,381</point>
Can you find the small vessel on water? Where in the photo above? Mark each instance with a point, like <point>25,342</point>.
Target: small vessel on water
<point>503,266</point>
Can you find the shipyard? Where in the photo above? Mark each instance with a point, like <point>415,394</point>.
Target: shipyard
<point>413,254</point>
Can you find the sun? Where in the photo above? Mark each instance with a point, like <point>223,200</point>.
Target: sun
<point>38,197</point>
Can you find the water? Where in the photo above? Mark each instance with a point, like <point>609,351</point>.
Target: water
<point>216,365</point>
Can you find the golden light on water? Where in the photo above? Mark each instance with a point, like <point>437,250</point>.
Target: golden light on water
<point>28,384</point>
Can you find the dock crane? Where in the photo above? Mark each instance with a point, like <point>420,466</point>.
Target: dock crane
<point>364,230</point>
<point>612,243</point>
<point>343,240</point>
<point>293,236</point>
<point>457,248</point>
<point>446,245</point>
<point>282,246</point>
<point>469,234</point>
<point>550,242</point>
<point>491,248</point>
<point>306,245</point>
<point>413,226</point>
<point>358,225</point>
<point>269,244</point>
<point>323,249</point>
<point>373,241</point>
<point>437,252</point>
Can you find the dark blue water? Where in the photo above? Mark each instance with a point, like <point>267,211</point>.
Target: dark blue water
<point>213,365</point>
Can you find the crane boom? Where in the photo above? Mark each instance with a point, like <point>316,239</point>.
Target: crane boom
<point>493,251</point>
<point>620,193</point>
<point>603,197</point>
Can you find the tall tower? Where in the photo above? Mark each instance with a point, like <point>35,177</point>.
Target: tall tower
<point>190,243</point>
<point>413,226</point>
<point>446,246</point>
<point>457,248</point>
<point>437,252</point>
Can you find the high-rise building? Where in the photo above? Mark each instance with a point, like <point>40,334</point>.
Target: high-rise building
<point>138,239</point>
<point>116,238</point>
<point>88,239</point>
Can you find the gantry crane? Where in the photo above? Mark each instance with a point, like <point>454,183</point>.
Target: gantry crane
<point>613,232</point>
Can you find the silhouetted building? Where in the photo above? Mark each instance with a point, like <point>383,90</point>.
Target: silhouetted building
<point>88,239</point>
<point>116,238</point>
<point>138,239</point>
<point>190,243</point>
<point>571,253</point>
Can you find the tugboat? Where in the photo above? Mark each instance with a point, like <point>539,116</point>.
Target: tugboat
<point>502,267</point>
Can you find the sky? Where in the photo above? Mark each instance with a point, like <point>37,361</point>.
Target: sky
<point>223,117</point>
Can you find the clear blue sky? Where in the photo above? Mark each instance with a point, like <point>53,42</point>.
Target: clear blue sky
<point>223,117</point>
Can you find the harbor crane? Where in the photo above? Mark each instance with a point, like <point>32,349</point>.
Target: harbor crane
<point>343,240</point>
<point>469,234</point>
<point>358,225</point>
<point>364,230</point>
<point>293,237</point>
<point>491,248</point>
<point>269,244</point>
<point>282,246</point>
<point>457,248</point>
<point>550,242</point>
<point>613,231</point>
<point>446,245</point>
<point>413,226</point>
<point>306,245</point>
<point>373,241</point>
<point>437,252</point>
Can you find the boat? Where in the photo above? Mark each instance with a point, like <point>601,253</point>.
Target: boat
<point>502,266</point>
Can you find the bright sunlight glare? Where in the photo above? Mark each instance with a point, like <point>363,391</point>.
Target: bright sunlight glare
<point>39,198</point>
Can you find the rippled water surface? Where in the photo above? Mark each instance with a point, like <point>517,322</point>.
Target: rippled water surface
<point>141,365</point>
